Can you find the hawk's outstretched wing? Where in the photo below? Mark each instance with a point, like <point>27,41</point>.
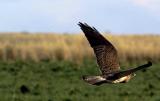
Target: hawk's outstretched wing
<point>105,52</point>
<point>130,71</point>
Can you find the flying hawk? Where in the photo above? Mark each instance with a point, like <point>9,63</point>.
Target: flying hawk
<point>107,59</point>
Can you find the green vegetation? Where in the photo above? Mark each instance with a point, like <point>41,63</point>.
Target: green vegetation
<point>61,81</point>
<point>48,67</point>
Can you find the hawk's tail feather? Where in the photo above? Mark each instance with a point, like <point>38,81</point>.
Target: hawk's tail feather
<point>94,80</point>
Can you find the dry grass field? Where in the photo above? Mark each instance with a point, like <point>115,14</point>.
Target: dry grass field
<point>74,47</point>
<point>60,78</point>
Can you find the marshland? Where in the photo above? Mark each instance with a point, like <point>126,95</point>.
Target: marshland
<point>50,67</point>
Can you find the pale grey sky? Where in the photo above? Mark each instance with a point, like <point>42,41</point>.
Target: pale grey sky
<point>117,16</point>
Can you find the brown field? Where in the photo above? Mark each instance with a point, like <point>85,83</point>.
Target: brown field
<point>74,47</point>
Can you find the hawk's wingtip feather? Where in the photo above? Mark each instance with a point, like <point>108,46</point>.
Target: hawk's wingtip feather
<point>149,63</point>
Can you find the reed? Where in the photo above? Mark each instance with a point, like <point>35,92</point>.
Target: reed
<point>74,47</point>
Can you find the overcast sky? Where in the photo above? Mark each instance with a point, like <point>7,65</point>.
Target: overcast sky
<point>117,16</point>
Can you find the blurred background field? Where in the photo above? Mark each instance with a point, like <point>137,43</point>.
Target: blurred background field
<point>74,47</point>
<point>61,81</point>
<point>50,67</point>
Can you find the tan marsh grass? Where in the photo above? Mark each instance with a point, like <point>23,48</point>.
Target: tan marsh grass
<point>74,47</point>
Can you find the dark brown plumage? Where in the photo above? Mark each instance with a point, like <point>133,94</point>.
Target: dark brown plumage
<point>105,52</point>
<point>107,59</point>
